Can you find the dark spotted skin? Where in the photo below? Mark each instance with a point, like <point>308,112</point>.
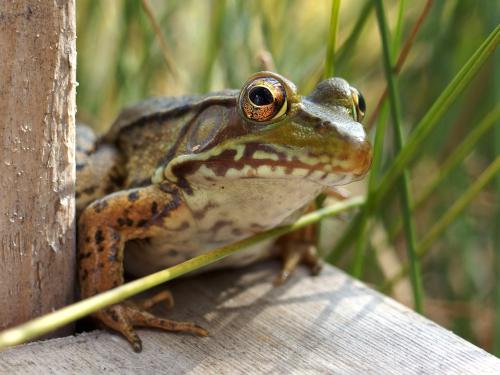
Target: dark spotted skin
<point>104,228</point>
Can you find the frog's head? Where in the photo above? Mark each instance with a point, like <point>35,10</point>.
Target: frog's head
<point>271,132</point>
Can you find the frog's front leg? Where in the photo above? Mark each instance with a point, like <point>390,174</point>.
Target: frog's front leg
<point>104,228</point>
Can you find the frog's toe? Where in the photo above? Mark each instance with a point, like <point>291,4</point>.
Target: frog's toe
<point>294,253</point>
<point>147,320</point>
<point>164,297</point>
<point>124,317</point>
<point>117,318</point>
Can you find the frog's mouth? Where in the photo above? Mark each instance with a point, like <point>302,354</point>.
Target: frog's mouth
<point>255,160</point>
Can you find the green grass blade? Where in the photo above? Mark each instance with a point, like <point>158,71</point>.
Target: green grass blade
<point>432,117</point>
<point>360,249</point>
<point>451,214</point>
<point>453,160</point>
<point>403,54</point>
<point>332,37</point>
<point>351,41</point>
<point>398,31</point>
<point>496,236</point>
<point>68,314</point>
<point>218,11</point>
<point>404,179</point>
<point>166,53</point>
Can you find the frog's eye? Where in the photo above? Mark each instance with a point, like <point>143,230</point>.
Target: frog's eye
<point>263,99</point>
<point>359,105</point>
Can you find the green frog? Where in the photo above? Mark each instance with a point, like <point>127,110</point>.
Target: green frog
<point>177,176</point>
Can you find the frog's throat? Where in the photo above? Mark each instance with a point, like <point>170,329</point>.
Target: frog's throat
<point>254,160</point>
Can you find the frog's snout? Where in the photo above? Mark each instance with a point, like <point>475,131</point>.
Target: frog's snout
<point>348,146</point>
<point>355,148</point>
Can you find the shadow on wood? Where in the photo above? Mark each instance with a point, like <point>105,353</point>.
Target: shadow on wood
<point>325,324</point>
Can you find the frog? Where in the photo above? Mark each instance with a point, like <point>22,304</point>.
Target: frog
<point>175,177</point>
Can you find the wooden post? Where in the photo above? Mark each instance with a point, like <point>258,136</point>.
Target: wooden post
<point>37,169</point>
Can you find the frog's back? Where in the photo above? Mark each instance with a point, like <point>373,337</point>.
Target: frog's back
<point>146,132</point>
<point>146,110</point>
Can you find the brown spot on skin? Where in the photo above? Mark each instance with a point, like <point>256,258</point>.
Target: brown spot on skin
<point>184,225</point>
<point>101,265</point>
<point>154,208</point>
<point>200,214</point>
<point>122,221</point>
<point>236,232</point>
<point>185,186</point>
<point>133,196</point>
<point>83,256</point>
<point>172,253</point>
<point>165,211</point>
<point>99,237</point>
<point>168,188</point>
<point>142,223</point>
<point>219,224</point>
<point>100,205</point>
<point>113,315</point>
<point>87,239</point>
<point>84,275</point>
<point>100,249</point>
<point>257,226</point>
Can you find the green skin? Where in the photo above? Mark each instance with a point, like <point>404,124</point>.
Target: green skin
<point>175,177</point>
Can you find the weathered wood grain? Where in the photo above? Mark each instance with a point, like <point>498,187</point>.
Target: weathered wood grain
<point>37,167</point>
<point>326,324</point>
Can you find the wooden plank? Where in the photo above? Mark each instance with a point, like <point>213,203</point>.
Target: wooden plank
<point>325,324</point>
<point>37,159</point>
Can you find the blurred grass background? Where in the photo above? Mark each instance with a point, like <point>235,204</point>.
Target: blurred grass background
<point>217,44</point>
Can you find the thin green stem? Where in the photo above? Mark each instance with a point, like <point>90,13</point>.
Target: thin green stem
<point>218,10</point>
<point>395,109</point>
<point>360,249</point>
<point>398,30</point>
<point>332,37</point>
<point>421,132</point>
<point>57,319</point>
<point>350,42</point>
<point>453,212</point>
<point>359,252</point>
<point>453,160</point>
<point>403,54</point>
<point>161,38</point>
<point>434,114</point>
<point>496,235</point>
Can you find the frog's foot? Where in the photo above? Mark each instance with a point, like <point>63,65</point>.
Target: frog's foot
<point>124,317</point>
<point>292,254</point>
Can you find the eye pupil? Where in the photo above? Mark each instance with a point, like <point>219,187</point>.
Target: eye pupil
<point>362,103</point>
<point>260,96</point>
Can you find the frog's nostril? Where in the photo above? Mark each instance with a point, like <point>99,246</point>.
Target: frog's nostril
<point>323,127</point>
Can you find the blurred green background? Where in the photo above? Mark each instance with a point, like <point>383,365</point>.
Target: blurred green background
<point>217,44</point>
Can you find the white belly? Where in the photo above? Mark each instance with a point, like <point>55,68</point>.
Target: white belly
<point>223,213</point>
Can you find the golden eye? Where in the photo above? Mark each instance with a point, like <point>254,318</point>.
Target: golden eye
<point>359,104</point>
<point>263,99</point>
